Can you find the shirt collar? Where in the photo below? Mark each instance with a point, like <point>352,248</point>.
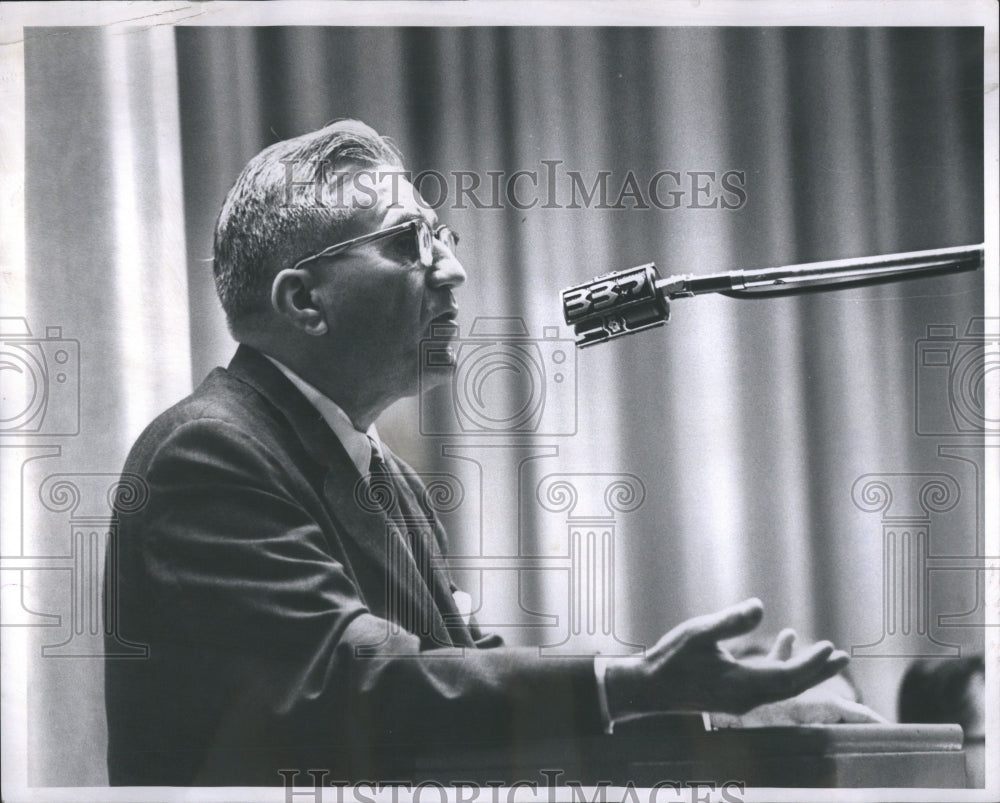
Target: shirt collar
<point>355,443</point>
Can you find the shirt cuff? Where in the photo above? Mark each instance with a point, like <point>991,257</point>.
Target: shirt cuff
<point>717,720</point>
<point>600,670</point>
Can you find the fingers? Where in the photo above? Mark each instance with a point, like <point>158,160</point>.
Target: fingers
<point>853,712</point>
<point>782,649</point>
<point>810,709</point>
<point>819,662</point>
<point>777,680</point>
<point>736,620</point>
<point>814,658</point>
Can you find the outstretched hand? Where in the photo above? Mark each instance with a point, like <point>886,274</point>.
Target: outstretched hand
<point>688,669</point>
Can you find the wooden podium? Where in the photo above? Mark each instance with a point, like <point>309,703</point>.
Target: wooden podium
<point>680,750</point>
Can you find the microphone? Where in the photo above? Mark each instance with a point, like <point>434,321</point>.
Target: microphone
<point>627,301</point>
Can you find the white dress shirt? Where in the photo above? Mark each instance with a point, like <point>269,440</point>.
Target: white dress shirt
<point>356,443</point>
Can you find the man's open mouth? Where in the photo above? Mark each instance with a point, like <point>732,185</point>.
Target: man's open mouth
<point>444,325</point>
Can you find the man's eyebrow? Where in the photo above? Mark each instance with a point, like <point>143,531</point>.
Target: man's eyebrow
<point>433,222</point>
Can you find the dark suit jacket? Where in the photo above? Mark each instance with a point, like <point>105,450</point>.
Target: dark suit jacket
<point>279,635</point>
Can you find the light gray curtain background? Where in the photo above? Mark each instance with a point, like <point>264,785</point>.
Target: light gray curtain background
<point>735,434</point>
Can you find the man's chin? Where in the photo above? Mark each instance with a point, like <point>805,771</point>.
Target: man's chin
<point>446,356</point>
<point>440,370</point>
<point>439,347</point>
<point>436,361</point>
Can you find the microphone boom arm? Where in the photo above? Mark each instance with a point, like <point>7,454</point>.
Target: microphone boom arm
<point>628,301</point>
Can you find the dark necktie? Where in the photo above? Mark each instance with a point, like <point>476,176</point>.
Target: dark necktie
<point>377,466</point>
<point>417,526</point>
<point>405,511</point>
<point>398,510</point>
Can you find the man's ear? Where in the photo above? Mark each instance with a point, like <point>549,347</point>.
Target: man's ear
<point>292,298</point>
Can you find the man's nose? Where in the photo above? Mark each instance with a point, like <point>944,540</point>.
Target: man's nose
<point>447,270</point>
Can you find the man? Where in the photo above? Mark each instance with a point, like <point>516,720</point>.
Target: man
<point>293,622</point>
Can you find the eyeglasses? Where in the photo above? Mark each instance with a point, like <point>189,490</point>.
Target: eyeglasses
<point>421,231</point>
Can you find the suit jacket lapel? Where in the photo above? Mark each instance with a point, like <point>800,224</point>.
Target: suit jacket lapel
<point>362,513</point>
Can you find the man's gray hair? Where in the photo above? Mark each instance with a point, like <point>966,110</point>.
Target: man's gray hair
<point>275,214</point>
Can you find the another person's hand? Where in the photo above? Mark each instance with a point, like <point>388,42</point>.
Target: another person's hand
<point>812,707</point>
<point>687,670</point>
